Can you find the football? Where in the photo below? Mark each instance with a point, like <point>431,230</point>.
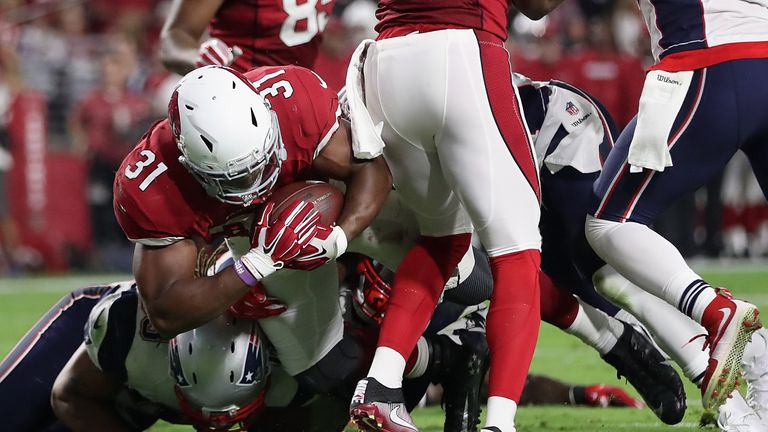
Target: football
<point>328,199</point>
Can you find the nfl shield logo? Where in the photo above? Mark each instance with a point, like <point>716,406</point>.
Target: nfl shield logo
<point>571,108</point>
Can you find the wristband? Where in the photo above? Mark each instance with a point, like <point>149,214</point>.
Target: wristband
<point>245,275</point>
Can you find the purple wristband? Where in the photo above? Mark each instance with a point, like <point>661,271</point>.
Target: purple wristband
<point>245,274</point>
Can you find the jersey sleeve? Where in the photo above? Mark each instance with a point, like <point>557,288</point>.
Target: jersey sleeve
<point>110,331</point>
<point>304,98</point>
<point>148,203</point>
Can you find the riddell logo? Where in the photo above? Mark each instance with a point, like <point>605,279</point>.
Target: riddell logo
<point>571,108</point>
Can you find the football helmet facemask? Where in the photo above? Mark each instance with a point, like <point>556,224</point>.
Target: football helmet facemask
<point>221,371</point>
<point>228,135</point>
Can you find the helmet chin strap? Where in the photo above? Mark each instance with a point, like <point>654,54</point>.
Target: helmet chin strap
<point>235,420</point>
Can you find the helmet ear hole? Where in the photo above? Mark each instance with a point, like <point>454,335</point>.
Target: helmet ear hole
<point>232,347</point>
<point>232,376</point>
<point>194,377</point>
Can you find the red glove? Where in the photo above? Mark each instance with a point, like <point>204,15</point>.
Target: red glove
<point>276,244</point>
<point>256,304</point>
<point>328,244</point>
<point>215,52</point>
<point>603,396</point>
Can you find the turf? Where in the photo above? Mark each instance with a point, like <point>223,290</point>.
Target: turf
<point>22,301</point>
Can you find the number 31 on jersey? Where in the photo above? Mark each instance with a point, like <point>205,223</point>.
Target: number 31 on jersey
<point>149,159</point>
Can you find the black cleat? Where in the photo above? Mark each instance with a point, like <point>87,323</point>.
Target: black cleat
<point>636,359</point>
<point>459,363</point>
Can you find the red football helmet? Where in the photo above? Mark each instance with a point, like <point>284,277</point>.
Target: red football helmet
<point>370,296</point>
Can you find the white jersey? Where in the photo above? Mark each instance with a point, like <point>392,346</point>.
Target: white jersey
<point>570,128</point>
<point>121,341</point>
<point>683,26</point>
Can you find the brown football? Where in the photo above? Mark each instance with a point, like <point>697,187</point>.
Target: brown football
<point>328,199</point>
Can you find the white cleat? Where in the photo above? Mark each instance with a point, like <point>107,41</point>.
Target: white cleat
<point>736,416</point>
<point>755,369</point>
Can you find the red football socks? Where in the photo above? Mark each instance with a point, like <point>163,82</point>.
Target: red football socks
<point>419,281</point>
<point>513,321</point>
<point>558,306</point>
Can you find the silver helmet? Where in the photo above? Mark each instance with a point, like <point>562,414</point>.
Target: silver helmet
<point>221,371</point>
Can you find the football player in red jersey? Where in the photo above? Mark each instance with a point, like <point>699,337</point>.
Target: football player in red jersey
<point>243,33</point>
<point>460,157</point>
<point>229,140</point>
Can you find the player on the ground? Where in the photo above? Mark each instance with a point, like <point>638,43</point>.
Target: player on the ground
<point>243,34</point>
<point>230,140</point>
<point>696,110</point>
<point>438,81</point>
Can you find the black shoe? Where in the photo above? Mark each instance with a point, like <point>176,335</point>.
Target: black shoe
<point>463,369</point>
<point>636,359</point>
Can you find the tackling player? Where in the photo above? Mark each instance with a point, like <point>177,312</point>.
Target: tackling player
<point>698,107</point>
<point>243,33</point>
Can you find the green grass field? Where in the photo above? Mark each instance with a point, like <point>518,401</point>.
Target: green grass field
<point>22,301</point>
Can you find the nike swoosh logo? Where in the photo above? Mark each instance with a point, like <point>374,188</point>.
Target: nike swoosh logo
<point>726,318</point>
<point>396,419</point>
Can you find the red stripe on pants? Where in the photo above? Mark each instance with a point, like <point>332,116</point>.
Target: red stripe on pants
<point>504,105</point>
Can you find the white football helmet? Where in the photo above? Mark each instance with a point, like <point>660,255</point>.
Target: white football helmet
<point>228,135</point>
<point>221,371</point>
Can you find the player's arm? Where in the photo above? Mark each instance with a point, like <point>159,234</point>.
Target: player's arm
<point>83,397</point>
<point>175,300</point>
<point>180,37</point>
<point>368,181</point>
<point>535,9</point>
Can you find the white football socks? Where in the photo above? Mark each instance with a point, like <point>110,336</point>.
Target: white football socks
<point>671,330</point>
<point>651,262</point>
<point>595,328</point>
<point>387,367</point>
<point>501,413</point>
<point>422,359</point>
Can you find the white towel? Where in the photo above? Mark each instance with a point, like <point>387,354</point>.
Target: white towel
<point>366,136</point>
<point>663,95</point>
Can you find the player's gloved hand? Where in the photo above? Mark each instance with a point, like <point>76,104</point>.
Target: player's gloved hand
<point>604,395</point>
<point>256,304</point>
<point>215,52</point>
<point>328,244</point>
<point>272,246</point>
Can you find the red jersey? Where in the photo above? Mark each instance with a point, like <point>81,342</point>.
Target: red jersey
<point>158,202</point>
<point>272,32</point>
<point>425,15</point>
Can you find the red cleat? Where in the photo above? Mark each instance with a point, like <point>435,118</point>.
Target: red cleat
<point>730,324</point>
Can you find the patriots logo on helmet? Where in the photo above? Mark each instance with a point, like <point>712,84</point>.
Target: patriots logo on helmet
<point>571,108</point>
<point>178,373</point>
<point>252,371</point>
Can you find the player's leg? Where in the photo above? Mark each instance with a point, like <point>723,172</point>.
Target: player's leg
<point>486,155</point>
<point>627,202</point>
<point>28,372</point>
<point>620,345</point>
<point>397,93</point>
<point>567,195</point>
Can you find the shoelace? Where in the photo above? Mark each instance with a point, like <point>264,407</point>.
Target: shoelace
<point>707,337</point>
<point>739,421</point>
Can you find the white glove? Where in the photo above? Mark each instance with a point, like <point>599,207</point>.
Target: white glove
<point>328,244</point>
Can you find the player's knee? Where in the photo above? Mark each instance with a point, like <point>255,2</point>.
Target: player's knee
<point>598,231</point>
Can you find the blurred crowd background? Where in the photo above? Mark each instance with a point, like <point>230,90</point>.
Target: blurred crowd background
<point>80,82</point>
